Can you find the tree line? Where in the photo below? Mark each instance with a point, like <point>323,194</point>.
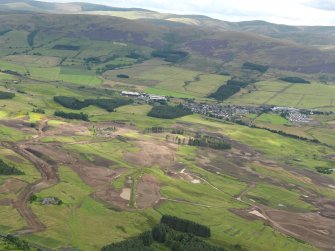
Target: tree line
<point>186,226</point>
<point>108,104</point>
<point>175,233</point>
<point>7,169</point>
<point>12,242</point>
<point>171,56</point>
<point>10,72</point>
<point>324,170</point>
<point>208,141</point>
<point>224,92</point>
<point>70,115</point>
<point>295,80</point>
<point>6,95</point>
<point>169,112</point>
<point>240,122</point>
<point>198,139</point>
<point>255,67</point>
<point>66,47</point>
<point>159,129</point>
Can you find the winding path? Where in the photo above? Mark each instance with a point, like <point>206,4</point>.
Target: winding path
<point>48,179</point>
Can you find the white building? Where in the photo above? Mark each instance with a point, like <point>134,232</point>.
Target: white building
<point>130,94</point>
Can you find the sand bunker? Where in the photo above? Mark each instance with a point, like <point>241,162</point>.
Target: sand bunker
<point>258,214</point>
<point>125,194</point>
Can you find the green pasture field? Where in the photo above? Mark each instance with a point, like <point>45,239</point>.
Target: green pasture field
<point>113,150</point>
<point>7,77</point>
<point>280,198</point>
<point>44,73</point>
<point>13,42</point>
<point>252,98</point>
<point>10,134</point>
<point>6,65</point>
<point>169,80</point>
<point>325,135</point>
<point>38,61</point>
<point>10,220</point>
<point>54,73</point>
<point>136,115</point>
<point>272,119</point>
<point>312,96</point>
<point>271,86</point>
<point>30,172</point>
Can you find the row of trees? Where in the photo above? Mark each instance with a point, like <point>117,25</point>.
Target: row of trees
<point>175,233</point>
<point>170,55</point>
<point>159,129</point>
<point>78,116</point>
<point>31,37</point>
<point>239,82</point>
<point>295,80</point>
<point>122,76</point>
<point>10,72</point>
<point>15,243</point>
<point>324,170</point>
<point>224,92</point>
<point>255,67</point>
<point>169,112</point>
<point>208,141</point>
<point>39,110</point>
<point>6,95</point>
<point>178,241</point>
<point>66,47</point>
<point>186,226</point>
<point>140,243</point>
<point>7,169</point>
<point>108,104</point>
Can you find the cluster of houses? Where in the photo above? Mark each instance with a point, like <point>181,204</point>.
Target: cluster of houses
<point>51,201</point>
<point>220,111</point>
<point>292,114</point>
<point>144,96</point>
<point>234,112</point>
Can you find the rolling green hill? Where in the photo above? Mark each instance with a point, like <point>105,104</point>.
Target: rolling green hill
<point>223,49</point>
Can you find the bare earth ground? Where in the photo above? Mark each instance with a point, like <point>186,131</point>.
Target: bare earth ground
<point>147,192</point>
<point>310,227</point>
<point>153,153</point>
<point>12,186</point>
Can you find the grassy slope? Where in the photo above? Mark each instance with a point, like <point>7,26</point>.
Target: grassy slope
<point>311,96</point>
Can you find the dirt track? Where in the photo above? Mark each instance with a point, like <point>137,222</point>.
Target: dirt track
<point>49,178</point>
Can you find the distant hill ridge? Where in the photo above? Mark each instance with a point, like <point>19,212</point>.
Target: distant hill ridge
<point>291,48</point>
